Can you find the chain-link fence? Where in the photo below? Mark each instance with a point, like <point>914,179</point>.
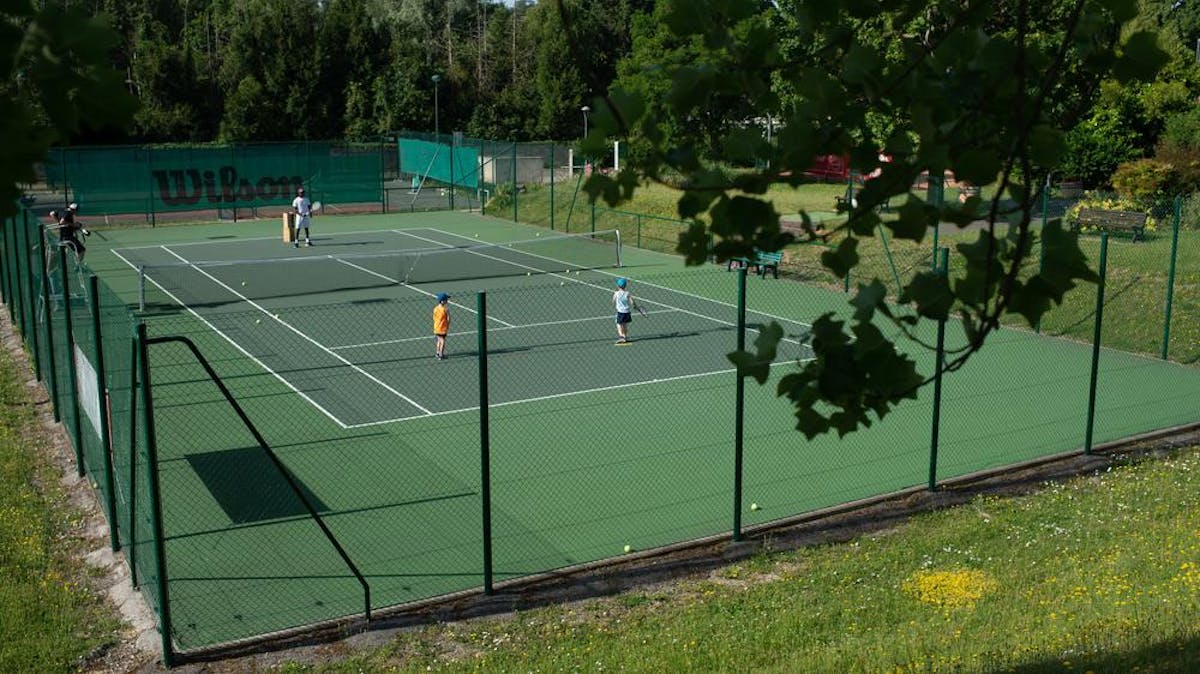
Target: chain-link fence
<point>287,459</point>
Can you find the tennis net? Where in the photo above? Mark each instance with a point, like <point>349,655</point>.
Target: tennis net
<point>215,282</point>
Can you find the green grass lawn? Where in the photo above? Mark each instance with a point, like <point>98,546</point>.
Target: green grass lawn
<point>1097,574</point>
<point>49,617</point>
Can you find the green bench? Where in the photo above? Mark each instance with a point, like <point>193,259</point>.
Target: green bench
<point>1107,220</point>
<point>761,262</point>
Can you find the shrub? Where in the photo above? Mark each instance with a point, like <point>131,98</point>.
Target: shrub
<point>1144,179</point>
<point>1096,147</point>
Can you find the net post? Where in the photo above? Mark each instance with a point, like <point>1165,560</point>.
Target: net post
<point>618,235</point>
<point>942,266</point>
<point>52,376</point>
<point>485,450</point>
<point>1177,216</point>
<point>1091,411</point>
<point>69,358</point>
<point>156,515</point>
<point>105,432</point>
<point>739,414</point>
<point>141,287</point>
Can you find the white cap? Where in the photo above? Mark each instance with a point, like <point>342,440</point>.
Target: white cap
<point>73,206</point>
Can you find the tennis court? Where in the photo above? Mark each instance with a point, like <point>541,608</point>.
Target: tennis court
<point>307,318</point>
<point>593,446</point>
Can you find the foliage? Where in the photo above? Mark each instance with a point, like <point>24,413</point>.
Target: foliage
<point>1143,179</point>
<point>1097,146</point>
<point>56,82</point>
<point>966,91</point>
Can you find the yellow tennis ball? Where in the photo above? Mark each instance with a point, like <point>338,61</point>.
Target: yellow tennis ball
<point>628,548</point>
<point>754,506</point>
<point>476,236</point>
<point>257,320</point>
<point>243,284</point>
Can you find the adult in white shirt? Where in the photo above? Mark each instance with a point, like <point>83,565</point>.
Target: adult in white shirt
<point>302,207</point>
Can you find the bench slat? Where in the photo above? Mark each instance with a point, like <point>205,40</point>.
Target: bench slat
<point>1134,221</point>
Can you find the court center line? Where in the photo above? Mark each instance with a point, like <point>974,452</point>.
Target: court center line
<point>239,347</point>
<point>423,292</point>
<point>599,287</point>
<point>304,336</point>
<point>569,394</point>
<point>472,332</point>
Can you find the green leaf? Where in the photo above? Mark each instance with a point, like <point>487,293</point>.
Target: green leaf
<point>693,244</point>
<point>978,167</point>
<point>1046,145</point>
<point>1140,59</point>
<point>757,364</point>
<point>869,298</point>
<point>930,292</point>
<point>914,220</point>
<point>843,258</point>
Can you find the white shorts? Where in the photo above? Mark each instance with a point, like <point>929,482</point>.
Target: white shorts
<point>302,221</point>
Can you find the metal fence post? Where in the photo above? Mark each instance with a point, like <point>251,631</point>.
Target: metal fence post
<point>52,375</point>
<point>156,515</point>
<point>105,431</point>
<point>943,267</point>
<point>1091,410</point>
<point>739,407</point>
<point>133,396</point>
<point>25,285</point>
<point>513,180</point>
<point>485,449</point>
<point>552,157</point>
<point>72,396</point>
<point>1166,339</point>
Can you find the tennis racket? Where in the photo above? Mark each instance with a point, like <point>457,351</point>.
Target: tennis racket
<point>640,310</point>
<point>316,206</point>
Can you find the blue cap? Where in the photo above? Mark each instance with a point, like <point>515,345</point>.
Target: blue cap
<point>621,283</point>
<point>442,297</point>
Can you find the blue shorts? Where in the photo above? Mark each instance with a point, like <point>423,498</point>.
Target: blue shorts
<point>623,318</point>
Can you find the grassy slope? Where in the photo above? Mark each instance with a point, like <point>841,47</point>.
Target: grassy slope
<point>1137,273</point>
<point>49,618</point>
<point>1099,574</point>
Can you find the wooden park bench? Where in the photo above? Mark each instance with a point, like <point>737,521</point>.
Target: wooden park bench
<point>761,262</point>
<point>1106,220</point>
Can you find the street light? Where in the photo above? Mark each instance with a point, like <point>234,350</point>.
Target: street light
<point>585,109</point>
<point>436,129</point>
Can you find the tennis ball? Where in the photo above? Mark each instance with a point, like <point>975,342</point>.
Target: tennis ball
<point>276,316</point>
<point>529,273</point>
<point>562,283</point>
<point>476,236</point>
<point>257,321</point>
<point>243,284</point>
<point>628,548</point>
<point>537,234</point>
<point>754,506</point>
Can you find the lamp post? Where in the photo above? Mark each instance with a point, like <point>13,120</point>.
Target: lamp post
<point>436,128</point>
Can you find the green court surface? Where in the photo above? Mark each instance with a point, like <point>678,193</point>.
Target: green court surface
<point>594,446</point>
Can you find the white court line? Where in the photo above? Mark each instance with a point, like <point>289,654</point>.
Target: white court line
<point>237,346</point>
<point>608,317</point>
<point>423,292</point>
<point>605,289</point>
<point>645,283</point>
<point>567,394</point>
<point>305,337</point>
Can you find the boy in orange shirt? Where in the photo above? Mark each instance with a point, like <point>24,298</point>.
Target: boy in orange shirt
<point>441,324</point>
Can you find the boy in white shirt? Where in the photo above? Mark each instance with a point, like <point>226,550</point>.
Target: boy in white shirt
<point>625,304</point>
<point>302,207</point>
